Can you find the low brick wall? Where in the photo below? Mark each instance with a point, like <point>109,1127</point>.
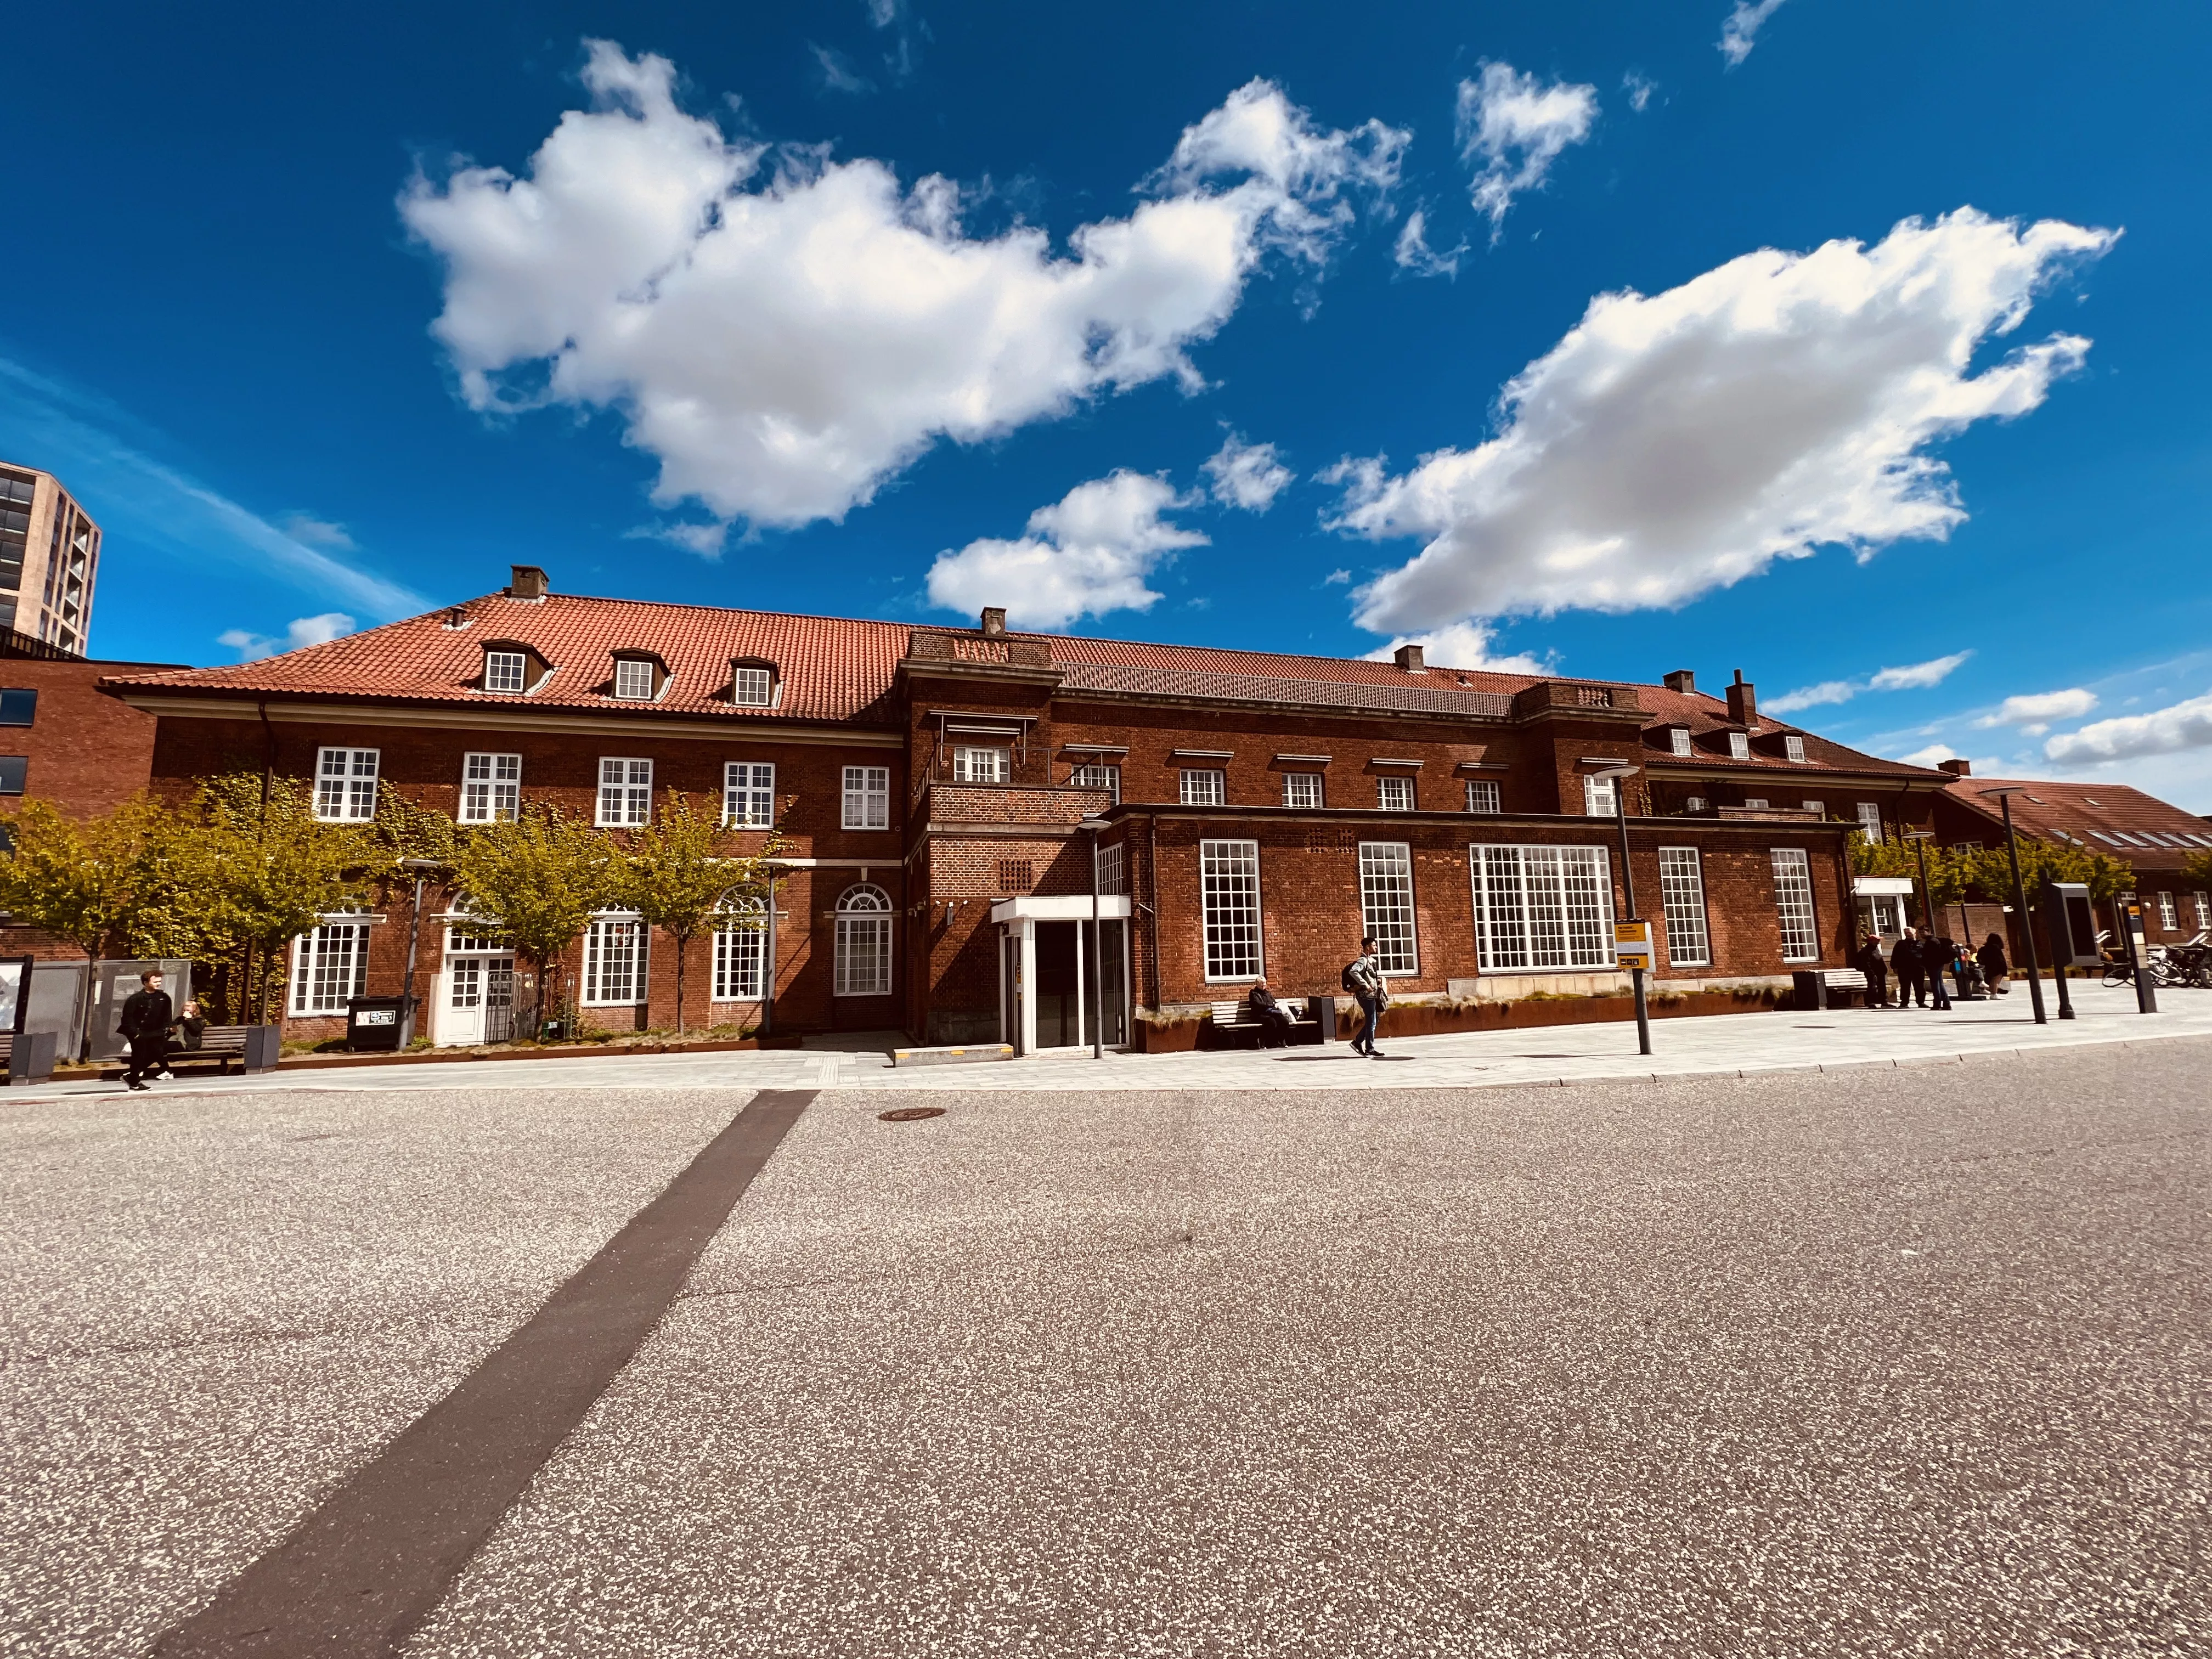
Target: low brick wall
<point>1434,1019</point>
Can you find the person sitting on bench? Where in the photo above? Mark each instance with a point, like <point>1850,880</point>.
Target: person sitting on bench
<point>1275,1019</point>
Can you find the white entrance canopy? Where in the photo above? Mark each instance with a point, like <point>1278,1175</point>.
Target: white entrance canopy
<point>1882,886</point>
<point>1063,908</point>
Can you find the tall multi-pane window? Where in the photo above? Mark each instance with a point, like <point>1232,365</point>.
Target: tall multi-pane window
<point>491,787</point>
<point>867,798</point>
<point>979,764</point>
<point>1869,817</point>
<point>1542,906</point>
<point>614,962</point>
<point>625,793</point>
<point>1680,742</point>
<point>749,795</point>
<point>1301,789</point>
<point>1793,747</point>
<point>1394,794</point>
<point>633,678</point>
<point>740,951</point>
<point>1739,746</point>
<point>329,965</point>
<point>1793,904</point>
<point>1204,786</point>
<point>1228,894</point>
<point>2203,909</point>
<point>2166,916</point>
<point>1097,774</point>
<point>1482,795</point>
<point>505,670</point>
<point>1113,871</point>
<point>345,785</point>
<point>1386,904</point>
<point>753,687</point>
<point>1599,796</point>
<point>1682,895</point>
<point>863,942</point>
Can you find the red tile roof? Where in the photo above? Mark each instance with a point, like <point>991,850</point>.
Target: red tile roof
<point>2105,818</point>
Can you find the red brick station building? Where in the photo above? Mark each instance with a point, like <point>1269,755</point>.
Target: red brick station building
<point>948,795</point>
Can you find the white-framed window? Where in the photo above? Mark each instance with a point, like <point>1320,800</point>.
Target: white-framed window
<point>1097,774</point>
<point>1386,904</point>
<point>491,787</point>
<point>345,785</point>
<point>1113,870</point>
<point>634,679</point>
<point>1229,892</point>
<point>2203,909</point>
<point>1394,794</point>
<point>328,966</point>
<point>505,670</point>
<point>625,793</point>
<point>1817,806</point>
<point>1542,906</point>
<point>740,951</point>
<point>2166,918</point>
<point>1682,895</point>
<point>1793,905</point>
<point>1754,804</point>
<point>1869,813</point>
<point>1697,804</point>
<point>754,687</point>
<point>1678,740</point>
<point>867,798</point>
<point>1599,796</point>
<point>1482,795</point>
<point>1739,746</point>
<point>1204,786</point>
<point>614,962</point>
<point>863,942</point>
<point>1793,747</point>
<point>982,763</point>
<point>748,795</point>
<point>475,936</point>
<point>1301,789</point>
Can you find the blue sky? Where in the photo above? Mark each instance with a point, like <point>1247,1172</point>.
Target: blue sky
<point>1858,347</point>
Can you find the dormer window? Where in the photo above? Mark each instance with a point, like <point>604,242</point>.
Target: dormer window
<point>505,670</point>
<point>634,679</point>
<point>1678,739</point>
<point>1793,747</point>
<point>1739,746</point>
<point>752,684</point>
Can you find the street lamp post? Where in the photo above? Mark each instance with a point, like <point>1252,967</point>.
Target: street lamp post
<point>419,868</point>
<point>1920,838</point>
<point>1091,827</point>
<point>2020,903</point>
<point>1620,775</point>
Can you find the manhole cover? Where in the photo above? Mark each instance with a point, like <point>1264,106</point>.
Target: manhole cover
<point>910,1113</point>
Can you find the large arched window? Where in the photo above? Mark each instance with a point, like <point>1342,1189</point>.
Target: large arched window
<point>863,942</point>
<point>741,950</point>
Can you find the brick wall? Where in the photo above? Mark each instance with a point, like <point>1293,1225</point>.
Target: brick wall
<point>87,753</point>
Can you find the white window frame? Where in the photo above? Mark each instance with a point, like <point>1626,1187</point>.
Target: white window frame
<point>1386,906</point>
<point>1793,746</point>
<point>1306,790</point>
<point>1820,807</point>
<point>499,666</point>
<point>2203,909</point>
<point>1394,794</point>
<point>748,794</point>
<point>1739,746</point>
<point>345,791</point>
<point>625,799</point>
<point>1680,743</point>
<point>977,762</point>
<point>1600,797</point>
<point>1234,950</point>
<point>329,965</point>
<point>628,685</point>
<point>1113,870</point>
<point>1698,804</point>
<point>864,941</point>
<point>1482,796</point>
<point>2168,917</point>
<point>1682,898</point>
<point>491,787</point>
<point>1542,909</point>
<point>1204,786</point>
<point>1754,803</point>
<point>617,960</point>
<point>752,687</point>
<point>1097,774</point>
<point>1793,905</point>
<point>1869,813</point>
<point>867,798</point>
<point>740,953</point>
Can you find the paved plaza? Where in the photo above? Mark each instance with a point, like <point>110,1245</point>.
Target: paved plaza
<point>1870,1361</point>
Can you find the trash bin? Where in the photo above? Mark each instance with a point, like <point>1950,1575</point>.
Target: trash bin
<point>1808,990</point>
<point>374,1023</point>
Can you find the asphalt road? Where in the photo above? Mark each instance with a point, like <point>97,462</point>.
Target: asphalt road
<point>1904,1362</point>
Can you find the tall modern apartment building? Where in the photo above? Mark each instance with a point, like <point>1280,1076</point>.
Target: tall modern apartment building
<point>49,558</point>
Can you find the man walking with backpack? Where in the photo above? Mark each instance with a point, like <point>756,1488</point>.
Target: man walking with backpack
<point>1363,978</point>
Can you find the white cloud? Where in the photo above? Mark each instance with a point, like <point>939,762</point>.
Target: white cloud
<point>1247,475</point>
<point>1335,578</point>
<point>1677,443</point>
<point>1932,756</point>
<point>1462,644</point>
<point>1812,696</point>
<point>303,632</point>
<point>1087,554</point>
<point>784,338</point>
<point>1414,253</point>
<point>1640,89</point>
<point>1917,676</point>
<point>2034,713</point>
<point>2183,725</point>
<point>1740,28</point>
<point>317,532</point>
<point>838,75</point>
<point>1512,127</point>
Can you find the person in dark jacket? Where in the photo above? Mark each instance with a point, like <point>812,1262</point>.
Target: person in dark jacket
<point>1992,957</point>
<point>1906,962</point>
<point>1869,963</point>
<point>192,1028</point>
<point>1939,956</point>
<point>144,1023</point>
<point>1275,1019</point>
<point>1363,977</point>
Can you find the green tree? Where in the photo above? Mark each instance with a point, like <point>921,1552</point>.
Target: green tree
<point>538,880</point>
<point>677,872</point>
<point>2197,867</point>
<point>80,879</point>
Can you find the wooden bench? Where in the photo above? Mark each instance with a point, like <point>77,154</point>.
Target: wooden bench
<point>1236,1020</point>
<point>254,1048</point>
<point>29,1056</point>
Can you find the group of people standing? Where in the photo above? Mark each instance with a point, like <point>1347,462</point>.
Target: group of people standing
<point>1920,964</point>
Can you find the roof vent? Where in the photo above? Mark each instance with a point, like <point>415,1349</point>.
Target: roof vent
<point>1957,769</point>
<point>528,582</point>
<point>1682,680</point>
<point>1408,657</point>
<point>1743,707</point>
<point>994,622</point>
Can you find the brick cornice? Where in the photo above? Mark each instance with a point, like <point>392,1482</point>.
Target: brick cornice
<point>474,718</point>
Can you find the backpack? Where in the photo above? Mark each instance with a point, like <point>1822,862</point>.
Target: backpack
<point>1350,980</point>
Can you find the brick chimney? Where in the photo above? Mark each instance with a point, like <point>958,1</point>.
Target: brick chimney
<point>1682,680</point>
<point>1408,657</point>
<point>1743,707</point>
<point>995,620</point>
<point>1957,769</point>
<point>527,582</point>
